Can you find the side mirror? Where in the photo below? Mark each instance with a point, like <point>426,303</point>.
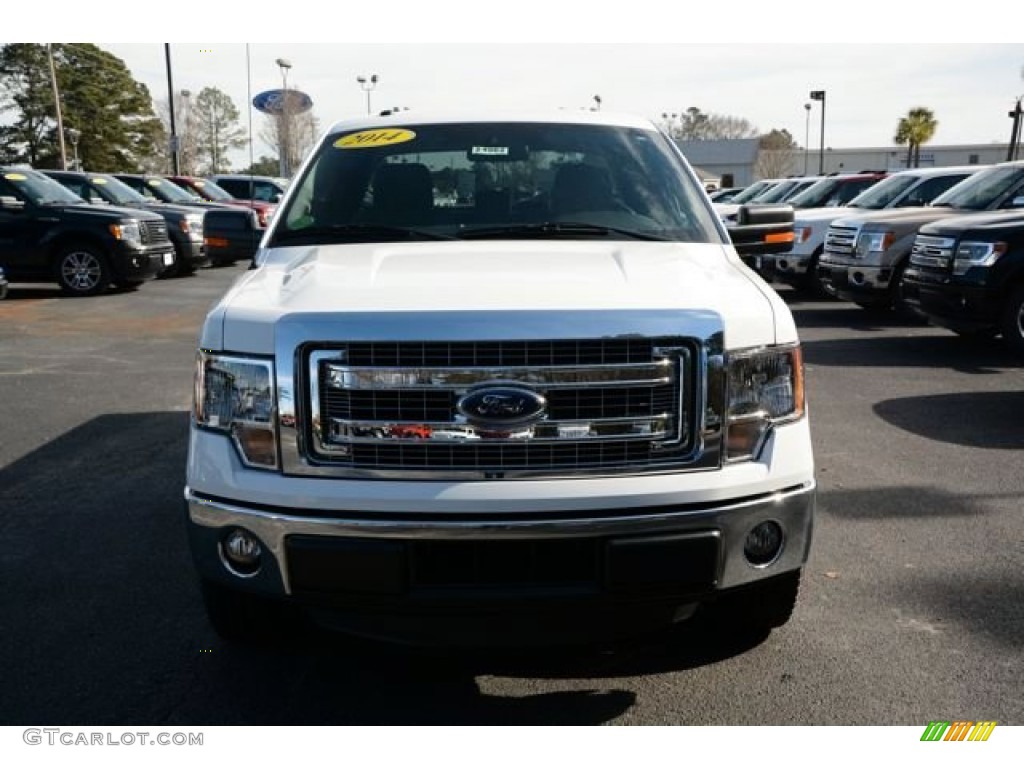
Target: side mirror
<point>11,203</point>
<point>277,198</point>
<point>1017,202</point>
<point>761,229</point>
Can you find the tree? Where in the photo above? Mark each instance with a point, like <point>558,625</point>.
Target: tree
<point>109,112</point>
<point>265,166</point>
<point>291,134</point>
<point>218,130</point>
<point>917,128</point>
<point>694,125</point>
<point>186,127</point>
<point>775,154</point>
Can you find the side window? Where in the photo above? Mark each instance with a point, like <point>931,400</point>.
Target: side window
<point>264,191</point>
<point>928,190</point>
<point>234,187</point>
<point>850,190</point>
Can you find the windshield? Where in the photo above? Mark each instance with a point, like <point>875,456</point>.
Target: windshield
<point>983,190</point>
<point>752,191</point>
<point>882,194</point>
<point>40,189</point>
<point>116,191</point>
<point>778,193</point>
<point>497,181</point>
<point>211,191</point>
<point>169,192</point>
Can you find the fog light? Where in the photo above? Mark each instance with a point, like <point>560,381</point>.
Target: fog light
<point>763,543</point>
<point>242,552</point>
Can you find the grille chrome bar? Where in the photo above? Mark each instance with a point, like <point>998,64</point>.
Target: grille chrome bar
<point>655,428</point>
<point>625,375</point>
<point>934,252</point>
<point>841,240</point>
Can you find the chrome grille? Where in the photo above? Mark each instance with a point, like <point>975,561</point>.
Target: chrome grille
<point>610,404</point>
<point>153,232</point>
<point>932,252</point>
<point>841,240</point>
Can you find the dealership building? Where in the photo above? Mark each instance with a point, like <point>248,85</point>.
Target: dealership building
<point>747,163</point>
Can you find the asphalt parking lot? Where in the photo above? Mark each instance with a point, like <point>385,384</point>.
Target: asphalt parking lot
<point>911,608</point>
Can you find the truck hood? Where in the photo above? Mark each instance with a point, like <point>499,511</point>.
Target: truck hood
<point>112,213</point>
<point>902,219</point>
<point>815,215</point>
<point>995,224</point>
<point>499,276</point>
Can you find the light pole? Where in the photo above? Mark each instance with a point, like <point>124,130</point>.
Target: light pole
<point>367,84</point>
<point>186,131</point>
<point>56,104</point>
<point>174,143</point>
<point>820,96</point>
<point>73,136</point>
<point>285,65</point>
<point>807,135</point>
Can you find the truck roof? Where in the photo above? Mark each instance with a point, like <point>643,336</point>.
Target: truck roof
<point>582,117</point>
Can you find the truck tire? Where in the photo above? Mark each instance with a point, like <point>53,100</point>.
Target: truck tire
<point>242,618</point>
<point>759,607</point>
<point>82,270</point>
<point>812,286</point>
<point>1013,320</point>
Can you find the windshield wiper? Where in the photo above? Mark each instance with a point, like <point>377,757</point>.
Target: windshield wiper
<point>556,228</point>
<point>360,232</point>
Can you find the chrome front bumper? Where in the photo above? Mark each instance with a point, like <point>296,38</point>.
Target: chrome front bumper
<point>792,508</point>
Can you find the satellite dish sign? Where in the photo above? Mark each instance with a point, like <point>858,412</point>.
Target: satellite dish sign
<point>272,102</point>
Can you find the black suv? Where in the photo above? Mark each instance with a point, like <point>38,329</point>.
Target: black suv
<point>966,273</point>
<point>49,233</point>
<point>184,223</point>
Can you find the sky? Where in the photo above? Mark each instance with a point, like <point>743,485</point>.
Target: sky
<point>535,55</point>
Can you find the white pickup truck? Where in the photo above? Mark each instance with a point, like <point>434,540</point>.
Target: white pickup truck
<point>498,377</point>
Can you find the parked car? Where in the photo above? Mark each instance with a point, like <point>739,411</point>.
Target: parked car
<point>640,448</point>
<point>787,189</point>
<point>866,255</point>
<point>49,233</point>
<point>230,237</point>
<point>966,273</point>
<point>3,284</point>
<point>244,187</point>
<point>211,192</point>
<point>916,187</point>
<point>184,223</point>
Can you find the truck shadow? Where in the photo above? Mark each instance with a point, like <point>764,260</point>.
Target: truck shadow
<point>986,356</point>
<point>104,623</point>
<point>971,419</point>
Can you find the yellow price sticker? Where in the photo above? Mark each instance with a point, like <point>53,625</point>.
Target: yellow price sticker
<point>154,182</point>
<point>15,176</point>
<point>99,181</point>
<point>378,137</point>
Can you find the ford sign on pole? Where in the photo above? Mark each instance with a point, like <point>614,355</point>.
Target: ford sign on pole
<point>272,102</point>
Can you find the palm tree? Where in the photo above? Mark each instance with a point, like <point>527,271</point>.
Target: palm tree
<point>915,129</point>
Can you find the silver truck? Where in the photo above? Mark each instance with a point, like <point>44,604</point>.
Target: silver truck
<point>865,256</point>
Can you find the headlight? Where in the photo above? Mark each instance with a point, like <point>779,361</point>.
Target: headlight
<point>874,242</point>
<point>970,254</point>
<point>235,396</point>
<point>127,231</point>
<point>765,388</point>
<point>192,224</point>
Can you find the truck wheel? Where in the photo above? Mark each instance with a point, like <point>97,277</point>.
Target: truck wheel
<point>246,619</point>
<point>760,607</point>
<point>812,283</point>
<point>82,270</point>
<point>1013,320</point>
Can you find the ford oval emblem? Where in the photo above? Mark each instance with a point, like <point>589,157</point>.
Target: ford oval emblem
<point>502,406</point>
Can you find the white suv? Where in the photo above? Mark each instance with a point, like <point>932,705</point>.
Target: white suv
<point>557,403</point>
